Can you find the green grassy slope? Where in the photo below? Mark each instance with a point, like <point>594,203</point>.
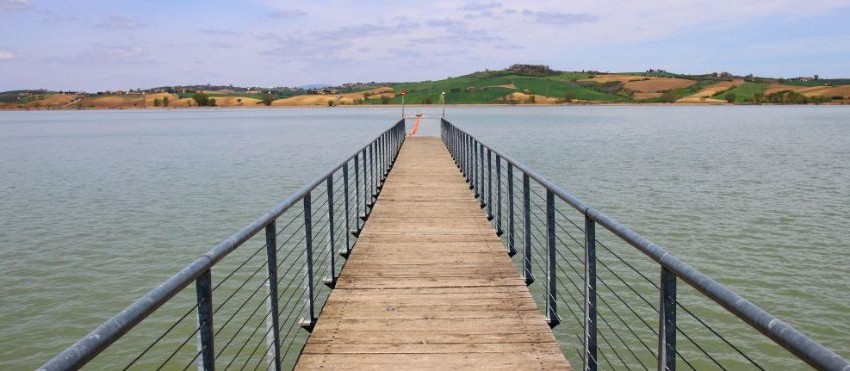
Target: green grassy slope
<point>745,92</point>
<point>492,87</point>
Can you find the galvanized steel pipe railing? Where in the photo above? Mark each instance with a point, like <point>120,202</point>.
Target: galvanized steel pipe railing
<point>254,293</point>
<point>623,310</point>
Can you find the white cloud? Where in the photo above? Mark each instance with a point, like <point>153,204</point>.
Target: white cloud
<point>15,4</point>
<point>477,6</point>
<point>119,23</point>
<point>560,18</point>
<point>288,13</point>
<point>7,55</point>
<point>123,53</point>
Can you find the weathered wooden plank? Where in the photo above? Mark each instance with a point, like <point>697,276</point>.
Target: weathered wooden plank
<point>446,361</point>
<point>429,285</point>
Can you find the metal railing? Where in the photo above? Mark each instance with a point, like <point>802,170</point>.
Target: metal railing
<point>254,292</point>
<point>621,310</point>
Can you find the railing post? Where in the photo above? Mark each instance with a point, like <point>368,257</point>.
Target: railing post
<point>498,195</point>
<point>331,281</point>
<point>308,322</point>
<point>365,186</point>
<point>347,211</point>
<point>467,160</point>
<point>481,189</point>
<point>206,337</point>
<point>667,322</point>
<point>590,294</point>
<point>470,163</point>
<point>526,200</point>
<point>383,153</point>
<point>357,214</point>
<point>551,272</point>
<point>386,141</point>
<point>371,193</point>
<point>489,184</point>
<point>271,255</point>
<point>475,186</point>
<point>511,214</point>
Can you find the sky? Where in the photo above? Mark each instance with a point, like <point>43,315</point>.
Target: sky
<point>94,45</point>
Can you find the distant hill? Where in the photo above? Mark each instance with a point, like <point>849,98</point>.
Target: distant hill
<point>314,86</point>
<point>517,84</point>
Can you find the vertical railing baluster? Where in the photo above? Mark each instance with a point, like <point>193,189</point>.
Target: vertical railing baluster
<point>330,281</point>
<point>382,157</point>
<point>667,322</point>
<point>481,189</point>
<point>347,210</point>
<point>498,195</point>
<point>590,348</point>
<point>365,186</point>
<point>206,336</point>
<point>357,214</point>
<point>551,272</point>
<point>467,163</point>
<point>308,322</point>
<point>511,212</point>
<point>489,184</point>
<point>470,155</point>
<point>271,257</point>
<point>385,155</point>
<point>526,224</point>
<point>473,162</point>
<point>371,185</point>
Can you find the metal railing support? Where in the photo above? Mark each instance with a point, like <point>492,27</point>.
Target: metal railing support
<point>271,255</point>
<point>667,322</point>
<point>470,163</point>
<point>357,215</point>
<point>489,184</point>
<point>375,172</point>
<point>590,347</point>
<point>345,191</point>
<point>511,213</point>
<point>526,226</point>
<point>480,188</point>
<point>331,281</point>
<point>206,334</point>
<point>551,263</point>
<point>499,195</point>
<point>310,319</point>
<point>475,169</point>
<point>365,186</point>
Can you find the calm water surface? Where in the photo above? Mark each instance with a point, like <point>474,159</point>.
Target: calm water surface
<point>100,206</point>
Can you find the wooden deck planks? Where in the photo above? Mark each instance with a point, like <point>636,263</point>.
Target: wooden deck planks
<point>429,285</point>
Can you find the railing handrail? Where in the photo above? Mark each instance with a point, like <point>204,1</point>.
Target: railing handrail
<point>85,349</point>
<point>804,347</point>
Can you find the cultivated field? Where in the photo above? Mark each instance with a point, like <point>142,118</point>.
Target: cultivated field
<point>705,94</point>
<point>658,84</point>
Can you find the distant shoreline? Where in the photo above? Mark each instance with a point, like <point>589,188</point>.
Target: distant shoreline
<point>419,106</point>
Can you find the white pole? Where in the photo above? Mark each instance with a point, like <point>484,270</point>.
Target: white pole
<point>443,101</point>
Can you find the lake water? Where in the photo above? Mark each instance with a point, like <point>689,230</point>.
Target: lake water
<point>97,207</point>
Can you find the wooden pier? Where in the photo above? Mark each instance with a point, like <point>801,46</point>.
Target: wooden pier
<point>429,285</point>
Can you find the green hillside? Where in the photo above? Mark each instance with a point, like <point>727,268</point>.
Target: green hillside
<point>517,84</point>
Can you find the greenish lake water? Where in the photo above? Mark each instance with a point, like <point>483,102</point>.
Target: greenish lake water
<point>100,206</point>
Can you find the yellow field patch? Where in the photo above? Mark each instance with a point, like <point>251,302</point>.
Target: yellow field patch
<point>602,79</point>
<point>55,101</point>
<point>645,96</point>
<point>237,102</point>
<point>523,98</point>
<point>114,101</point>
<point>704,95</point>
